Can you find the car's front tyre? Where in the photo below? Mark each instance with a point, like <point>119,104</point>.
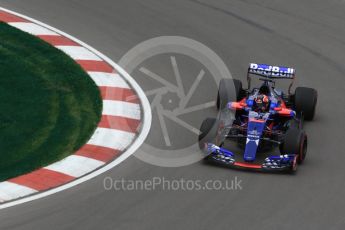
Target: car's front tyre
<point>208,131</point>
<point>295,142</point>
<point>226,92</point>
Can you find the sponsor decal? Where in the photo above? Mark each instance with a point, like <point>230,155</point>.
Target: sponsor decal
<point>268,70</point>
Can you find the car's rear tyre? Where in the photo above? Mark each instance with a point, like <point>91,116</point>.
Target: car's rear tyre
<point>208,131</point>
<point>305,102</point>
<point>295,142</point>
<point>225,92</point>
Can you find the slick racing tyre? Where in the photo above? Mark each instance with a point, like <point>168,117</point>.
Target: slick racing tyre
<point>295,142</point>
<point>208,131</point>
<point>225,92</point>
<point>305,102</point>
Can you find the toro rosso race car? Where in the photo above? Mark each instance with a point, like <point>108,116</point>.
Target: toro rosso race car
<point>260,119</point>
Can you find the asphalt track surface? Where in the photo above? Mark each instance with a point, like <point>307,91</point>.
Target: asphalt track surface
<point>308,35</point>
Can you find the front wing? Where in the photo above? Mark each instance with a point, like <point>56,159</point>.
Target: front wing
<point>271,163</point>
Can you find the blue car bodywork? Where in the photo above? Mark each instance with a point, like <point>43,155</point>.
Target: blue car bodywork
<point>255,128</point>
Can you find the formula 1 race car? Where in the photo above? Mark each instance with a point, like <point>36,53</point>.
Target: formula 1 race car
<point>259,120</point>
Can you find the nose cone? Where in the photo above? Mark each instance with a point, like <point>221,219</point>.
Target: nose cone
<point>254,132</point>
<point>251,148</point>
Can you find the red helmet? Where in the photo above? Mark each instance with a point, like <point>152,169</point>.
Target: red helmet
<point>261,103</point>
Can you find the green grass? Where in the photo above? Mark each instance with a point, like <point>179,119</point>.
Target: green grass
<point>49,107</point>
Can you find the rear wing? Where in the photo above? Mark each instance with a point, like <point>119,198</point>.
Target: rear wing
<point>271,72</point>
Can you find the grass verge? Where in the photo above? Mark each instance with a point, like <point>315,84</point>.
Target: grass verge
<point>49,107</point>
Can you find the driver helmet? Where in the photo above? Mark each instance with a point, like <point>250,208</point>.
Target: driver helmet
<point>261,103</point>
